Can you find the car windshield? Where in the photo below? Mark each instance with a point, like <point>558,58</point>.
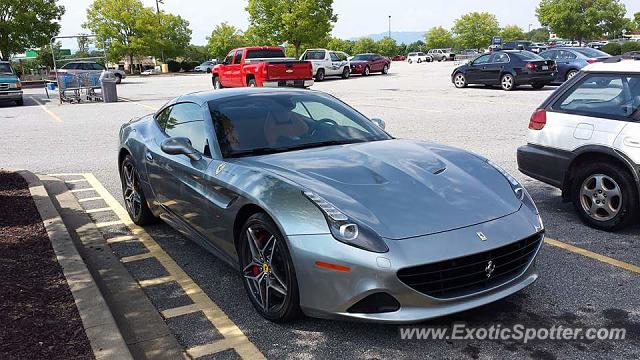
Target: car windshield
<point>593,53</point>
<point>5,68</point>
<point>265,54</point>
<point>362,57</point>
<point>315,55</point>
<point>267,123</point>
<point>527,55</point>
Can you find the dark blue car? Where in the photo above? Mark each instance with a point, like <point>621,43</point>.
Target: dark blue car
<point>569,60</point>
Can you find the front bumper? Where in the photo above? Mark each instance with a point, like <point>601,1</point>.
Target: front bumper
<point>11,95</point>
<point>330,294</point>
<point>288,83</point>
<point>357,70</point>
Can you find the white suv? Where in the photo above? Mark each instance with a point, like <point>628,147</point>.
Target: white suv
<point>418,57</point>
<point>585,140</point>
<point>327,63</point>
<point>439,54</point>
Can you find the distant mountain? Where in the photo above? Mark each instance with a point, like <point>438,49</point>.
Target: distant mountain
<point>406,37</point>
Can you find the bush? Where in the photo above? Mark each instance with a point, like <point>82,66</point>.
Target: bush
<point>630,46</point>
<point>174,66</point>
<point>612,49</point>
<point>189,65</point>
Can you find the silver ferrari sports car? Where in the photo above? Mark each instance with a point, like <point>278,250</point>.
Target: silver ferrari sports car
<point>324,213</point>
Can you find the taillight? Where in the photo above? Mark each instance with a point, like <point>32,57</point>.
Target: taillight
<point>538,120</point>
<point>591,61</point>
<point>530,66</point>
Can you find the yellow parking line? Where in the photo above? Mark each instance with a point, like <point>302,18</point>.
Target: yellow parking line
<point>49,112</point>
<point>122,238</point>
<point>233,336</point>
<point>156,281</point>
<point>592,255</point>
<point>108,223</point>
<point>182,310</point>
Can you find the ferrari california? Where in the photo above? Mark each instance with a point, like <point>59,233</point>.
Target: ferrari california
<point>323,212</point>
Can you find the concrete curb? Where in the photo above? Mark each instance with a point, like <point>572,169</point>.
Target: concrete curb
<point>99,325</point>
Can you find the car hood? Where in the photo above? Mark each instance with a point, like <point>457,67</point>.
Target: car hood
<point>358,62</point>
<point>8,78</point>
<point>399,188</point>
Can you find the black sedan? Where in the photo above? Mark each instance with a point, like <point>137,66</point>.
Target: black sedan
<point>507,68</point>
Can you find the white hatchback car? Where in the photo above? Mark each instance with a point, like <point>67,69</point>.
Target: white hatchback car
<point>327,63</point>
<point>585,140</point>
<point>418,57</point>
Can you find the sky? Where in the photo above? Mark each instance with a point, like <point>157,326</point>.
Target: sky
<point>356,18</point>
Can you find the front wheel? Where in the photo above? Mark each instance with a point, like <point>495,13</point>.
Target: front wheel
<point>216,82</point>
<point>410,61</point>
<point>252,83</point>
<point>134,199</point>
<point>118,78</point>
<point>419,61</point>
<point>605,197</point>
<point>267,269</point>
<point>460,81</point>
<point>537,86</point>
<point>507,82</point>
<point>385,69</point>
<point>346,73</point>
<point>367,71</point>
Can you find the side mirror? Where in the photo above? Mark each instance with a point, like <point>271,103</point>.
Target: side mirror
<point>379,122</point>
<point>180,146</point>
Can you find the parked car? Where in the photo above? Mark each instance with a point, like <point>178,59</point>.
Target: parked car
<point>327,63</point>
<point>633,55</point>
<point>77,67</point>
<point>439,54</point>
<point>570,60</point>
<point>261,66</point>
<point>418,57</point>
<point>399,58</point>
<point>518,45</point>
<point>507,68</point>
<point>538,47</point>
<point>585,140</point>
<point>323,213</point>
<point>10,86</point>
<point>366,64</point>
<point>206,66</point>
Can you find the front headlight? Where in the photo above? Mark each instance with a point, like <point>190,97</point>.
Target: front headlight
<point>15,85</point>
<point>344,229</point>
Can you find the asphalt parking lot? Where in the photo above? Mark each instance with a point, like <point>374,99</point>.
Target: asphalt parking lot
<point>416,101</point>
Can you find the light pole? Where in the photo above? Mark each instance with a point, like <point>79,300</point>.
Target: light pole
<point>158,2</point>
<point>389,26</point>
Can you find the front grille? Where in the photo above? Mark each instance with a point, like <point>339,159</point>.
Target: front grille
<point>4,86</point>
<point>468,275</point>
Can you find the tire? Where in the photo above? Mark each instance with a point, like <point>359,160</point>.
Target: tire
<point>208,71</point>
<point>259,272</point>
<point>346,73</point>
<point>215,80</point>
<point>538,86</point>
<point>252,83</point>
<point>367,71</point>
<point>460,80</point>
<point>419,61</point>
<point>385,69</point>
<point>118,78</point>
<point>320,75</point>
<point>410,61</point>
<point>570,74</point>
<point>134,199</point>
<point>617,207</point>
<point>507,82</point>
<point>20,102</point>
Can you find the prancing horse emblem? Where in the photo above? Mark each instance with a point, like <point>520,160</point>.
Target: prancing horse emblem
<point>220,168</point>
<point>490,268</point>
<point>481,236</point>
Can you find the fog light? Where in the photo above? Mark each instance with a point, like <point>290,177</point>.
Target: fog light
<point>375,303</point>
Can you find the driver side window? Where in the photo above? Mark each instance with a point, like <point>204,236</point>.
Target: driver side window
<point>318,111</point>
<point>229,59</point>
<point>484,59</point>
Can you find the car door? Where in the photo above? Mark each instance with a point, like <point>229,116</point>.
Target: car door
<point>628,141</point>
<point>225,70</point>
<point>236,70</point>
<point>474,71</point>
<point>567,60</point>
<point>179,182</point>
<point>593,112</point>
<point>336,64</point>
<point>492,71</point>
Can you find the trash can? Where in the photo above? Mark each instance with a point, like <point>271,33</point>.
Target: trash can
<point>108,85</point>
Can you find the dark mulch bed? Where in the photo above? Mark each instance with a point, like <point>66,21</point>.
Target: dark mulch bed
<point>38,317</point>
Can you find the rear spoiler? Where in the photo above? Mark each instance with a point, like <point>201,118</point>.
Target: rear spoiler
<point>272,60</point>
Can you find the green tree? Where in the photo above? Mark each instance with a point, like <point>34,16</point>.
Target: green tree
<point>340,45</point>
<point>476,29</point>
<point>196,53</point>
<point>224,38</point>
<point>296,22</point>
<point>364,45</point>
<point>387,46</point>
<point>439,37</point>
<point>168,35</point>
<point>636,20</point>
<point>538,35</point>
<point>511,33</point>
<point>122,26</point>
<point>416,46</point>
<point>582,19</point>
<point>27,24</point>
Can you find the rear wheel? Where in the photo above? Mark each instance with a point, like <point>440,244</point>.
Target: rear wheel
<point>410,61</point>
<point>268,274</point>
<point>134,199</point>
<point>320,75</point>
<point>605,196</point>
<point>346,73</point>
<point>385,69</point>
<point>538,86</point>
<point>571,73</point>
<point>252,82</point>
<point>216,82</point>
<point>419,60</point>
<point>507,82</point>
<point>118,78</point>
<point>459,80</point>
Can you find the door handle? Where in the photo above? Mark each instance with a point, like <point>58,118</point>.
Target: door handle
<point>148,156</point>
<point>632,142</point>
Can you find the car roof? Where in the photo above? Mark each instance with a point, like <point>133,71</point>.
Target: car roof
<point>622,66</point>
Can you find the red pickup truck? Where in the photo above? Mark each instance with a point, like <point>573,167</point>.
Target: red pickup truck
<point>261,66</point>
